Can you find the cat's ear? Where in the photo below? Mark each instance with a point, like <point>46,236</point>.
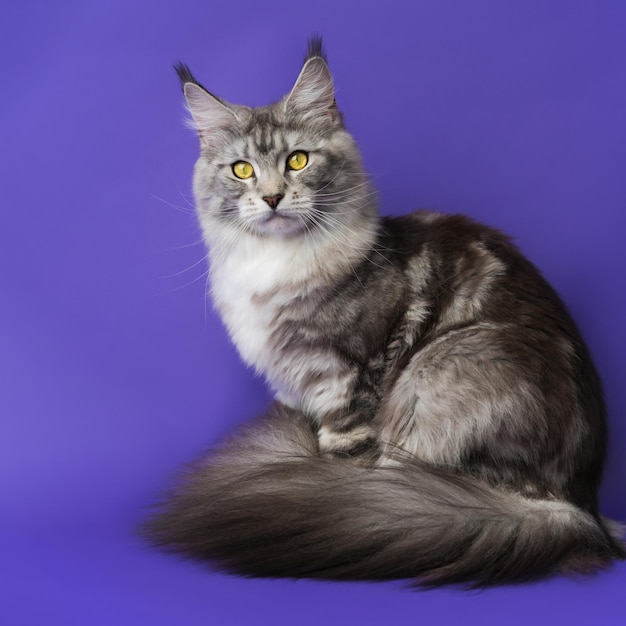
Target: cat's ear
<point>312,98</point>
<point>208,112</point>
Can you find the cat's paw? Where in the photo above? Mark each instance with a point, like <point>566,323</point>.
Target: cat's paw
<point>360,442</point>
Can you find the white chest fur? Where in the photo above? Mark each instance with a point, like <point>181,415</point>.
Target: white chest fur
<point>249,286</point>
<point>253,282</point>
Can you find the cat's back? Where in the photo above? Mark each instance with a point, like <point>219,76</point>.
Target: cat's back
<point>470,272</point>
<point>448,236</point>
<point>487,352</point>
<point>462,274</point>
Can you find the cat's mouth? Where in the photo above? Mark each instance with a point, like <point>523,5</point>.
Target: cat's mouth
<point>279,223</point>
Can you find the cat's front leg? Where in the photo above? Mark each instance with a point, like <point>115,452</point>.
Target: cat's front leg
<point>360,440</point>
<point>337,396</point>
<point>345,417</point>
<point>348,430</point>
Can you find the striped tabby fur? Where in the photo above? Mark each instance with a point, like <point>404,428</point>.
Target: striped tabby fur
<point>437,413</point>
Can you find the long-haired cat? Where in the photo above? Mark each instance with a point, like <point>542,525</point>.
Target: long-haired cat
<point>437,414</point>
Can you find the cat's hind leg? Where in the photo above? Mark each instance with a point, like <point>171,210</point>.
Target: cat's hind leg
<point>484,390</point>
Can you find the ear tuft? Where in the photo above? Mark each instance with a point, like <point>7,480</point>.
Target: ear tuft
<point>185,75</point>
<point>315,48</point>
<point>208,112</point>
<point>312,98</point>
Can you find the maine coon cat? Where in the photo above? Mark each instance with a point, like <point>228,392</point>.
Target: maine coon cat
<point>437,414</point>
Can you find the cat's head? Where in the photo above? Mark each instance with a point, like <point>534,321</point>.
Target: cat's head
<point>285,170</point>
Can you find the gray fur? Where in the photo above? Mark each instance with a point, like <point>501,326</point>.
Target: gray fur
<point>438,414</point>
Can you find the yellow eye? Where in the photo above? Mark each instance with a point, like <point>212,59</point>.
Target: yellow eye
<point>243,169</point>
<point>297,160</point>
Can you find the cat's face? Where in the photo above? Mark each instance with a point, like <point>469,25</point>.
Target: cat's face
<point>269,178</point>
<point>289,169</point>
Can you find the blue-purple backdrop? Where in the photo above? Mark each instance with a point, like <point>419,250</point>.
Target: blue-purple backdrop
<point>115,371</point>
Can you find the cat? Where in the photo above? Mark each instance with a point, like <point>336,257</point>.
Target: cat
<point>437,414</point>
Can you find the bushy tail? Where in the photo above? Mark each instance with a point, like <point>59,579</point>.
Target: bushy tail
<point>267,504</point>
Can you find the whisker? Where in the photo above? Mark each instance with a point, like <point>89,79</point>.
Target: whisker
<point>183,246</point>
<point>333,178</point>
<point>177,207</point>
<point>340,251</point>
<point>187,269</point>
<point>339,235</point>
<point>189,283</point>
<point>343,192</point>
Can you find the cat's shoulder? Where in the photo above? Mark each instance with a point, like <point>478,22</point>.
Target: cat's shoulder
<point>442,231</point>
<point>434,224</point>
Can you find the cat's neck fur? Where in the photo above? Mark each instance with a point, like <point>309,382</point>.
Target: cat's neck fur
<point>253,278</point>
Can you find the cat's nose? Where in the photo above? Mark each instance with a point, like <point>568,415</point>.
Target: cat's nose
<point>273,200</point>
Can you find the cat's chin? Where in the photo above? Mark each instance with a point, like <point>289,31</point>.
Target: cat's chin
<point>280,225</point>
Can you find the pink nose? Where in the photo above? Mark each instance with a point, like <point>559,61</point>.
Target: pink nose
<point>273,200</point>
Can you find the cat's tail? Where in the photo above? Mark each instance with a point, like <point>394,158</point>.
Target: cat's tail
<point>267,504</point>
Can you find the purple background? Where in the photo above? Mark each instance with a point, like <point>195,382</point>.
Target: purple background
<point>114,370</point>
